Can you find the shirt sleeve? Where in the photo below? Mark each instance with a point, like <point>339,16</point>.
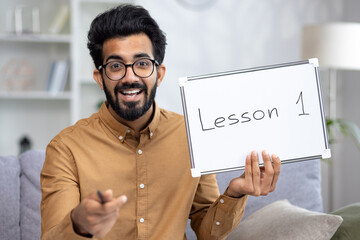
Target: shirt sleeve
<point>64,230</point>
<point>60,193</point>
<point>213,216</point>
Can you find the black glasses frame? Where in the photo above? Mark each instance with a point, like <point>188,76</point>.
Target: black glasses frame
<point>153,61</point>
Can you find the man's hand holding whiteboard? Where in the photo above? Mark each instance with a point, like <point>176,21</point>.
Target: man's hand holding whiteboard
<point>277,108</point>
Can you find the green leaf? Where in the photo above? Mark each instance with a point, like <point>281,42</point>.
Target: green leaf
<point>345,127</point>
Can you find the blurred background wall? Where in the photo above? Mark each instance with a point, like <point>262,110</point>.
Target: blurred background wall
<point>232,34</point>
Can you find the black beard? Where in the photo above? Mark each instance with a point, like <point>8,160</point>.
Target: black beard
<point>131,112</point>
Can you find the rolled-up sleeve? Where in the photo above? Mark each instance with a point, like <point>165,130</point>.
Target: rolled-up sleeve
<point>223,215</point>
<point>60,193</point>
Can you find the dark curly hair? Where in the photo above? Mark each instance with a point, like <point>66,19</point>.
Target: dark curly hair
<point>124,20</point>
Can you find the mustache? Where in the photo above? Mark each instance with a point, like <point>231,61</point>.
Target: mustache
<point>126,86</point>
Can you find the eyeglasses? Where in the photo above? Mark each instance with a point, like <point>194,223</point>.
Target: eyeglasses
<point>116,70</point>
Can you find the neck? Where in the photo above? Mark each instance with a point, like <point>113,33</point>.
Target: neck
<point>138,124</point>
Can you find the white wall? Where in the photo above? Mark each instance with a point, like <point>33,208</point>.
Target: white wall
<point>232,35</point>
<point>347,161</point>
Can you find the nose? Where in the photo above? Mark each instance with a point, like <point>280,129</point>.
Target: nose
<point>130,76</point>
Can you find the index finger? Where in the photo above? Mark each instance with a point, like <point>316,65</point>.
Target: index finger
<point>100,197</point>
<point>116,203</point>
<point>110,206</point>
<point>104,203</point>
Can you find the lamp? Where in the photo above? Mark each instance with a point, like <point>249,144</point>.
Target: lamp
<point>337,46</point>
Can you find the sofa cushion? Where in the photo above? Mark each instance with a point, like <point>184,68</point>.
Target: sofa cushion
<point>281,220</point>
<point>31,164</point>
<point>299,182</point>
<point>350,227</point>
<point>9,198</point>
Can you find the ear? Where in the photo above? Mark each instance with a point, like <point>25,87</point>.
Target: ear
<point>98,78</point>
<point>161,70</point>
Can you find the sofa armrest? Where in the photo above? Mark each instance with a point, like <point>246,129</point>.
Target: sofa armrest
<point>9,198</point>
<point>31,163</point>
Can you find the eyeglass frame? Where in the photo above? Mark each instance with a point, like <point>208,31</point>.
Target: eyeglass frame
<point>153,61</point>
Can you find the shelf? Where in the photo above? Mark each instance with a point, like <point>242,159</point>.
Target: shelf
<point>37,38</point>
<point>35,95</point>
<point>40,50</point>
<point>106,1</point>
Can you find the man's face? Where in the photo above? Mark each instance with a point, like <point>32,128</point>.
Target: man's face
<point>132,96</point>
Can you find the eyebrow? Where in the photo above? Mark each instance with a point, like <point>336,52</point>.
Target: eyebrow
<point>117,57</point>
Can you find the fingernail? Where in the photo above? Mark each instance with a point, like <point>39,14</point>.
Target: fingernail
<point>268,154</point>
<point>124,199</point>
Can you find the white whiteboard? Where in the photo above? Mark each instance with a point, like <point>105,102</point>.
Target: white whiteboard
<point>275,108</point>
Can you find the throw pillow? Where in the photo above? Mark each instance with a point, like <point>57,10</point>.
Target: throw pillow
<point>349,229</point>
<point>282,220</point>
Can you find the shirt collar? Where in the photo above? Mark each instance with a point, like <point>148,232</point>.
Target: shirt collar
<point>120,130</point>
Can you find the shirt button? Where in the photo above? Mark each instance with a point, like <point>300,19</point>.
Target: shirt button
<point>222,200</point>
<point>217,223</point>
<point>139,151</point>
<point>142,220</point>
<point>142,185</point>
<point>121,137</point>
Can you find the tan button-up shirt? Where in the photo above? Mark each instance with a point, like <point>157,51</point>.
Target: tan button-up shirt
<point>99,153</point>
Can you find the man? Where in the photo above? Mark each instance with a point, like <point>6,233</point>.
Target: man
<point>124,173</point>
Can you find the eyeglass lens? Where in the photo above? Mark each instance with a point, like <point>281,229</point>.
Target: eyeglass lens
<point>142,68</point>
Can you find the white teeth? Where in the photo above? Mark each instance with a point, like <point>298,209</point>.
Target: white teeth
<point>131,91</point>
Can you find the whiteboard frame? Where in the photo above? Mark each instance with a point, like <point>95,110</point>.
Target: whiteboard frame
<point>184,80</point>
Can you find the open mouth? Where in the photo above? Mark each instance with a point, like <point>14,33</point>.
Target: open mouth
<point>131,95</point>
<point>131,92</point>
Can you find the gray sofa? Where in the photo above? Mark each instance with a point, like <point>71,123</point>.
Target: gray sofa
<point>20,192</point>
<point>20,196</point>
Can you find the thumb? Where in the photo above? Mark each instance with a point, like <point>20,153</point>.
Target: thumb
<point>121,200</point>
